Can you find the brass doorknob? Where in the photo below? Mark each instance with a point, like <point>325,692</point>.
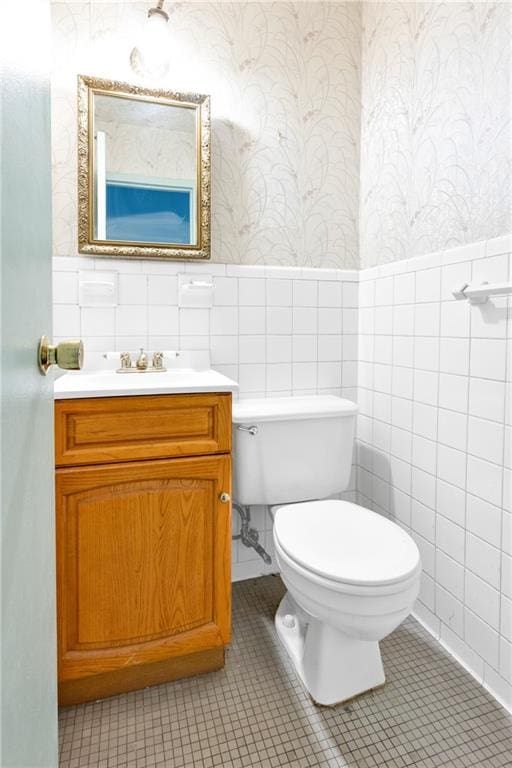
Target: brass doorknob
<point>224,497</point>
<point>67,354</point>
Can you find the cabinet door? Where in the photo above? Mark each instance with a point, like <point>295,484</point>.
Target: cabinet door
<point>143,565</point>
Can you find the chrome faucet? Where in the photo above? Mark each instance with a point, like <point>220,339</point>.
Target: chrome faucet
<point>142,363</point>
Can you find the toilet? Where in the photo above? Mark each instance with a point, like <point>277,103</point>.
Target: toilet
<point>352,575</point>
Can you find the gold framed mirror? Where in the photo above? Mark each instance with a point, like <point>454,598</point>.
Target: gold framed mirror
<point>143,171</point>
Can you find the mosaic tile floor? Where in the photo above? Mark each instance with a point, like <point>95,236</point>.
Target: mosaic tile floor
<point>255,712</point>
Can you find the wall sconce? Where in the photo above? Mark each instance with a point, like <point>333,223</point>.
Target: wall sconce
<point>150,57</point>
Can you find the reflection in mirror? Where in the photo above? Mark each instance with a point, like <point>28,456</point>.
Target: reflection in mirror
<point>145,161</point>
<point>147,170</point>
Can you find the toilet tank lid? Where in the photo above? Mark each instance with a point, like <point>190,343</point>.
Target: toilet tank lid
<point>288,408</point>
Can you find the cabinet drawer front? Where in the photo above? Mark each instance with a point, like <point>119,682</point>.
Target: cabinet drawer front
<point>143,563</point>
<point>110,429</point>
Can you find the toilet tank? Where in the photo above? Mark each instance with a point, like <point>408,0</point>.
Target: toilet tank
<point>290,449</point>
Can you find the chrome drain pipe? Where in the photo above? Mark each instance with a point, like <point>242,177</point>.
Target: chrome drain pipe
<point>250,536</point>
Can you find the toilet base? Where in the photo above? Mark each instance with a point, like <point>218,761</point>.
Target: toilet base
<point>332,666</point>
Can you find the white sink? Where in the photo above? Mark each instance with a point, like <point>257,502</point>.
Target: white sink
<point>187,372</point>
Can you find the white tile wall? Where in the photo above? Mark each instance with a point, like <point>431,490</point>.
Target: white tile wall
<point>434,387</point>
<point>435,443</point>
<point>277,331</point>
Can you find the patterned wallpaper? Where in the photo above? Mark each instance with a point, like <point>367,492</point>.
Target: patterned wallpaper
<point>435,125</point>
<point>285,85</point>
<point>436,143</point>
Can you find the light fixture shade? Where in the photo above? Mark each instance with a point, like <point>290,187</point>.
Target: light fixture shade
<point>150,57</point>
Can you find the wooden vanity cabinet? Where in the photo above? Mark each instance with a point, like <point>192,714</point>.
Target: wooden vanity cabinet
<point>143,540</point>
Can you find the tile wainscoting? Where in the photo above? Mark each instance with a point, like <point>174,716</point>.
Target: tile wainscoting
<point>276,330</point>
<point>433,379</point>
<point>435,441</point>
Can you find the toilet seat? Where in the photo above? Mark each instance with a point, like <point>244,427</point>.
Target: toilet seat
<point>345,543</point>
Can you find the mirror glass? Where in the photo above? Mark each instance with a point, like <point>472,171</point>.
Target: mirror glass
<point>145,171</point>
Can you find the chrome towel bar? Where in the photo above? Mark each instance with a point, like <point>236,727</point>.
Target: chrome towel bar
<point>479,293</point>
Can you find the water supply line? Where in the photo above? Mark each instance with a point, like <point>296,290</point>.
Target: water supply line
<point>250,536</point>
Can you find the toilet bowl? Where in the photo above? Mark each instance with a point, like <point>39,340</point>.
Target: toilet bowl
<point>352,575</point>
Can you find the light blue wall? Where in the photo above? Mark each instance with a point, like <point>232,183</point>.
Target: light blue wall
<point>28,684</point>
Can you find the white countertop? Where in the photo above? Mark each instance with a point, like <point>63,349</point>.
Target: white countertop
<point>110,384</point>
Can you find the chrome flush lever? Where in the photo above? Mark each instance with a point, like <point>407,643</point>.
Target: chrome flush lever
<point>252,430</point>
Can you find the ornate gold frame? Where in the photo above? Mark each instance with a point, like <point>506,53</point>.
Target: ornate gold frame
<point>87,87</point>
